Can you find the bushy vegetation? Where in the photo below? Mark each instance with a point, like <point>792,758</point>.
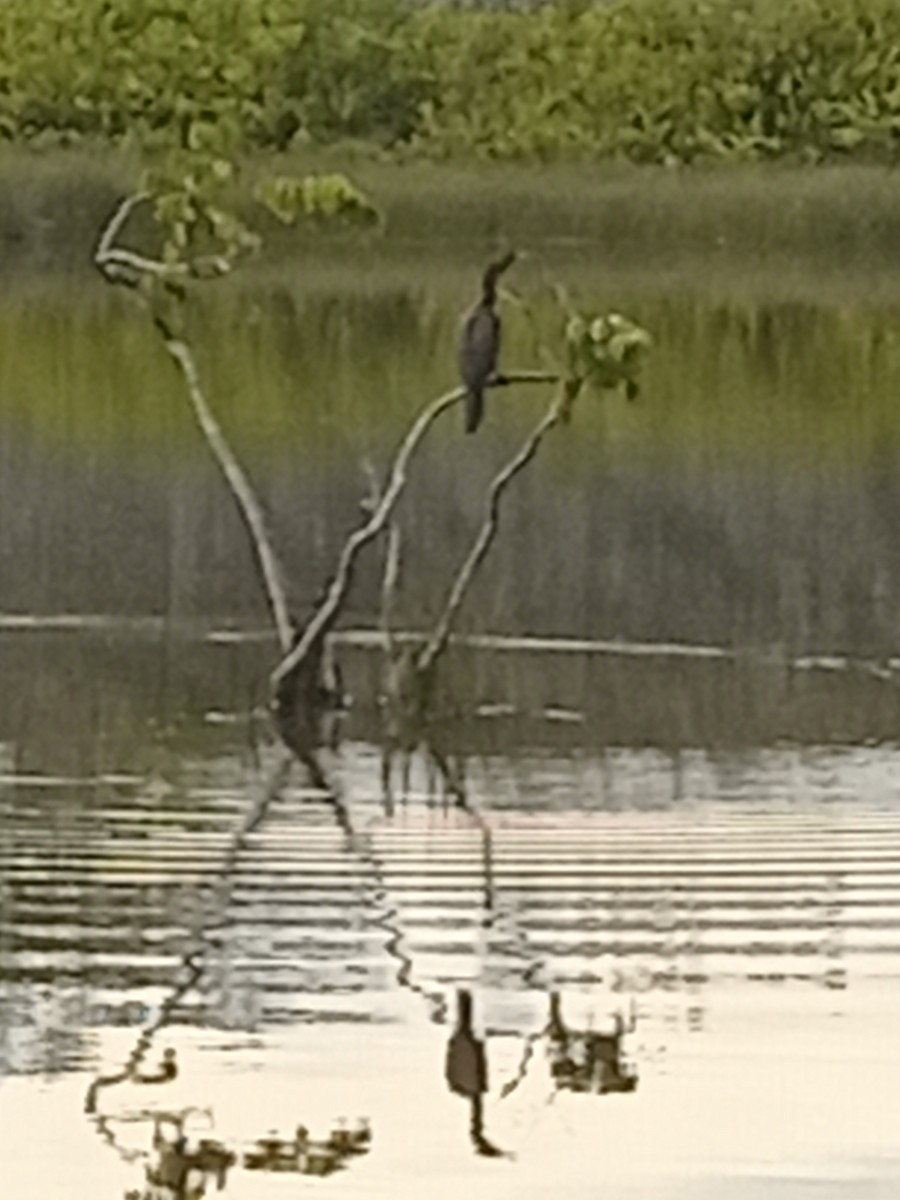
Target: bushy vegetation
<point>644,80</point>
<point>674,80</point>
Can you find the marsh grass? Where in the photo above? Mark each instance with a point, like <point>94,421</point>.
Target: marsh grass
<point>749,497</point>
<point>774,231</point>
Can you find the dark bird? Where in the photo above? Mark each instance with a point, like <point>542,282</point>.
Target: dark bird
<point>479,343</point>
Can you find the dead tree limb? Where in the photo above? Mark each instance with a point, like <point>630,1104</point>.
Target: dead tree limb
<point>303,684</point>
<point>328,611</point>
<point>306,695</point>
<point>410,670</point>
<point>424,663</point>
<point>112,261</point>
<point>438,640</point>
<point>242,491</point>
<point>107,252</point>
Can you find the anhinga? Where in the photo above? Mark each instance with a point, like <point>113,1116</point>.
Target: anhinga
<point>479,343</point>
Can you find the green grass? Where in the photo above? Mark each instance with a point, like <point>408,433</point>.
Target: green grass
<point>776,231</point>
<point>754,480</point>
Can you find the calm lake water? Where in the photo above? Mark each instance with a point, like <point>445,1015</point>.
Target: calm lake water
<point>687,812</point>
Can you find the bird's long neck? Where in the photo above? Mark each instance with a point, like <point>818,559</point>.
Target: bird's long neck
<point>489,291</point>
<point>489,281</point>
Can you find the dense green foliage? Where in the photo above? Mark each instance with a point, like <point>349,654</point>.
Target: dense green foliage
<point>646,80</point>
<point>187,86</point>
<point>674,80</point>
<point>141,71</point>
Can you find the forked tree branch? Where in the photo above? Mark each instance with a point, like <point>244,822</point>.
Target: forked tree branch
<point>328,611</point>
<point>122,266</point>
<point>114,261</point>
<point>106,248</point>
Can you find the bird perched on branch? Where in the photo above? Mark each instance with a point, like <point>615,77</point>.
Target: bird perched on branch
<point>479,343</point>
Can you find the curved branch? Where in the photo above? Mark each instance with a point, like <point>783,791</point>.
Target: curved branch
<point>437,642</point>
<point>327,613</point>
<point>325,616</point>
<point>114,227</point>
<point>110,260</point>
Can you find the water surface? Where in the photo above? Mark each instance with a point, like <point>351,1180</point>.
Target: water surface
<point>742,904</point>
<point>686,810</point>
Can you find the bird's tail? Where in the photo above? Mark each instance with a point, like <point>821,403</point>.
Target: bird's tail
<point>474,409</point>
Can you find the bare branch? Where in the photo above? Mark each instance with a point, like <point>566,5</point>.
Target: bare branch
<point>209,266</point>
<point>441,635</point>
<point>297,683</point>
<point>115,225</point>
<point>110,260</point>
<point>325,616</point>
<point>389,586</point>
<point>242,491</point>
<point>323,619</point>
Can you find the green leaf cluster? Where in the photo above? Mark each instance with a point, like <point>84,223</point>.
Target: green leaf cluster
<point>332,197</point>
<point>605,352</point>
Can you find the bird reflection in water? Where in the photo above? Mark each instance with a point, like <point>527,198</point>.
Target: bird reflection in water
<point>466,1071</point>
